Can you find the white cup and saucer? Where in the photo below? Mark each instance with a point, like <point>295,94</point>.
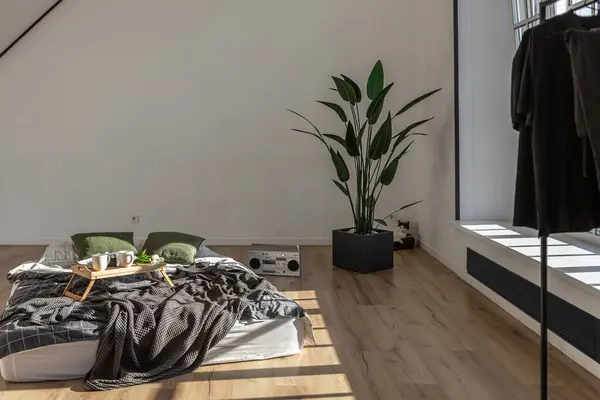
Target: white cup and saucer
<point>125,258</point>
<point>100,261</point>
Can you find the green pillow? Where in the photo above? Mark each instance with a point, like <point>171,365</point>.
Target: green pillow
<point>174,247</point>
<point>87,244</point>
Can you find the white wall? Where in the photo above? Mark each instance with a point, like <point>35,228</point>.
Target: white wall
<point>176,111</point>
<point>488,144</point>
<point>17,15</point>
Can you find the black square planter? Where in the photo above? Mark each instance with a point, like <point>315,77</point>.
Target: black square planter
<point>363,253</point>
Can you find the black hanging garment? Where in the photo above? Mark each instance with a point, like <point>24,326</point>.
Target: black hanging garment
<point>525,211</point>
<point>553,194</point>
<point>584,48</point>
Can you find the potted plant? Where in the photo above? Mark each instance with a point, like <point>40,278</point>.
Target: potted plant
<point>374,150</point>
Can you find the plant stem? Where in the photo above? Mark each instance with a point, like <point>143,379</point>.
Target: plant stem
<point>350,198</point>
<point>359,170</point>
<point>376,170</point>
<point>367,182</point>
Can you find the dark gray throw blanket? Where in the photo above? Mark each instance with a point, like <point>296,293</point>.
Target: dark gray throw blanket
<point>154,331</point>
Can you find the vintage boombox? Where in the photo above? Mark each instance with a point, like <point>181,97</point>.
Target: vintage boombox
<point>273,259</point>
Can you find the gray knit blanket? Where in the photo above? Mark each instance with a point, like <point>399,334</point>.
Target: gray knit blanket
<point>151,331</point>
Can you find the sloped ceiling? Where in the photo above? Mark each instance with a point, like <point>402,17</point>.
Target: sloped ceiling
<point>17,15</point>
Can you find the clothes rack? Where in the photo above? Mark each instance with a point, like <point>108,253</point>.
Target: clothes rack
<point>543,5</point>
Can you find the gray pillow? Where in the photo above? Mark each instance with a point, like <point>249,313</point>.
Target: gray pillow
<point>204,251</point>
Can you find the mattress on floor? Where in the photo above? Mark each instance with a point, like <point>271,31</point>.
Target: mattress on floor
<point>245,342</point>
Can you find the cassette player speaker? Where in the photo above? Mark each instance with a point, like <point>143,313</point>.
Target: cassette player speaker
<point>274,259</point>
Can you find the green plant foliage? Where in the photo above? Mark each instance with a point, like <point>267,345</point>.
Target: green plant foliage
<point>342,188</point>
<point>337,138</point>
<point>143,258</point>
<point>416,101</point>
<point>345,90</point>
<point>375,81</point>
<point>340,166</point>
<point>381,141</point>
<point>376,106</point>
<point>351,141</point>
<point>372,150</point>
<point>406,132</point>
<point>355,88</point>
<point>338,109</point>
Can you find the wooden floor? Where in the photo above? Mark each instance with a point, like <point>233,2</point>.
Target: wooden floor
<point>414,332</point>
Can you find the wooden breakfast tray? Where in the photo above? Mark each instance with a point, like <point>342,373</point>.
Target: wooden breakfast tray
<point>111,272</point>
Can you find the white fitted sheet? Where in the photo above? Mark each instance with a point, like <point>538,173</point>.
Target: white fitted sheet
<point>255,341</point>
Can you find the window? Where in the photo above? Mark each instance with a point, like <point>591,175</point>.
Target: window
<point>526,13</point>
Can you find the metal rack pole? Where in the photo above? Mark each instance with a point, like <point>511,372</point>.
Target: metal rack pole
<point>543,5</point>
<point>544,279</point>
<point>544,319</point>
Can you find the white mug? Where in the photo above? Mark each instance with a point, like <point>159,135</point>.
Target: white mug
<point>125,258</point>
<point>100,261</point>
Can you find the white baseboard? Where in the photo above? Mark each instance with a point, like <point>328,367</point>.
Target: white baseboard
<point>32,241</point>
<point>434,253</point>
<point>318,241</point>
<point>326,241</point>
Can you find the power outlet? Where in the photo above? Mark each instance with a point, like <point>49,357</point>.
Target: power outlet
<point>135,219</point>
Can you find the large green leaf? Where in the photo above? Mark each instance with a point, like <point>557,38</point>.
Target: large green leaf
<point>337,138</point>
<point>345,90</point>
<point>375,81</point>
<point>381,142</point>
<point>416,101</point>
<point>388,174</point>
<point>351,142</point>
<point>338,109</point>
<point>341,187</point>
<point>376,105</point>
<point>340,166</point>
<point>404,133</point>
<point>388,137</point>
<point>355,87</point>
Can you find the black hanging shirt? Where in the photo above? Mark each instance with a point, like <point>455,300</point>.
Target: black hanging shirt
<point>584,49</point>
<point>553,194</point>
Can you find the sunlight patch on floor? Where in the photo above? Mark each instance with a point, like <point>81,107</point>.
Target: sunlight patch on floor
<point>322,337</point>
<point>301,294</point>
<point>312,304</point>
<point>317,321</point>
